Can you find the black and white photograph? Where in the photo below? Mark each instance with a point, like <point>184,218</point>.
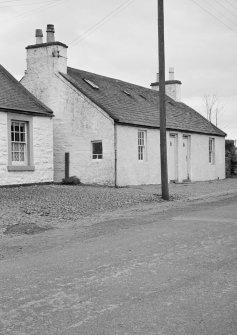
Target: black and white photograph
<point>118,167</point>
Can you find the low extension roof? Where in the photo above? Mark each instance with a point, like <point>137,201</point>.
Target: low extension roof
<point>14,97</point>
<point>135,105</point>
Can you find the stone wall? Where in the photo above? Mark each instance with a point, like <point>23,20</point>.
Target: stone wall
<point>42,152</point>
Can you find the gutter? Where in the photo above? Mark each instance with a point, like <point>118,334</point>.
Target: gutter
<point>26,112</point>
<point>168,128</point>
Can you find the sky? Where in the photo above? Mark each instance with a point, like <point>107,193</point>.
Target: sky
<point>118,38</point>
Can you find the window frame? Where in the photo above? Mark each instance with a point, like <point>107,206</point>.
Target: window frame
<point>19,142</point>
<point>27,165</point>
<point>211,150</point>
<point>92,154</point>
<point>142,145</point>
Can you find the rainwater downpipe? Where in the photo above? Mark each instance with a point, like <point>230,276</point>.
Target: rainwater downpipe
<point>115,156</point>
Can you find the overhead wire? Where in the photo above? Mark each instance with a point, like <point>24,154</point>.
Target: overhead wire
<point>50,4</point>
<point>227,9</point>
<point>101,22</point>
<point>213,15</point>
<point>26,4</point>
<point>232,4</point>
<point>20,2</point>
<point>223,12</point>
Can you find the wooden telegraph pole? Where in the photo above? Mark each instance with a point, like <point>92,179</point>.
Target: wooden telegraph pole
<point>163,144</point>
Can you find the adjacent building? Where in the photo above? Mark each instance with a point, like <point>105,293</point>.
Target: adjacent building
<point>26,135</point>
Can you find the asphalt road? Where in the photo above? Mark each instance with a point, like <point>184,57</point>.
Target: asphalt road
<point>158,273</point>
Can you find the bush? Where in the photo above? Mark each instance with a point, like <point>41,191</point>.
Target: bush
<point>71,181</point>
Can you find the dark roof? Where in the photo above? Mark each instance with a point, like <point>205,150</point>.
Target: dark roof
<point>132,104</point>
<point>14,97</point>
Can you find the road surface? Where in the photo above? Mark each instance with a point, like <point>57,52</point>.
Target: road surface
<point>158,273</point>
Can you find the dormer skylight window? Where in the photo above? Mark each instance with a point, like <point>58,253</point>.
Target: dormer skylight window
<point>126,92</point>
<point>89,82</point>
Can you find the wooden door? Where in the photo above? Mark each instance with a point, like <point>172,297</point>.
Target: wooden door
<point>172,157</point>
<point>185,158</point>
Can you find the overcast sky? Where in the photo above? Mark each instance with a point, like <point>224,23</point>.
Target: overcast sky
<point>118,38</point>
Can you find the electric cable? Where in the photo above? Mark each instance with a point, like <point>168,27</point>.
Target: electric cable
<point>52,3</point>
<point>213,15</point>
<point>101,22</point>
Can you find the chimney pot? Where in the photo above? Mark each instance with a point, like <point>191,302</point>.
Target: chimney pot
<point>39,36</point>
<point>50,33</point>
<point>171,73</point>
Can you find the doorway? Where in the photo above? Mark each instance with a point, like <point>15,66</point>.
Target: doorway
<point>185,158</point>
<point>173,158</point>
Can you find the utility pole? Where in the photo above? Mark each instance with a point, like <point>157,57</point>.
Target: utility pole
<point>163,144</point>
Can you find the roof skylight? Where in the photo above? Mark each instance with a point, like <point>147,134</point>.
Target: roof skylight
<point>89,82</point>
<point>126,92</point>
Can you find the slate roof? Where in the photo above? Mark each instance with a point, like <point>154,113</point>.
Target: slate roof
<point>14,97</point>
<point>136,105</point>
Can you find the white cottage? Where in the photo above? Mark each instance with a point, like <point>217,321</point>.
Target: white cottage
<point>26,135</point>
<point>110,127</point>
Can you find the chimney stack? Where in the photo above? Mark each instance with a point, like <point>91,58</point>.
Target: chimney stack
<point>50,33</point>
<point>39,36</point>
<point>46,57</point>
<point>171,73</point>
<point>172,86</point>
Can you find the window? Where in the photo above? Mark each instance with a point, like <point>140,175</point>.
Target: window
<point>20,143</point>
<point>97,150</point>
<point>211,150</point>
<point>89,82</point>
<point>126,92</point>
<point>141,145</point>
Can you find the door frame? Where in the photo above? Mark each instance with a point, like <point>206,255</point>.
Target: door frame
<point>175,136</point>
<point>188,137</point>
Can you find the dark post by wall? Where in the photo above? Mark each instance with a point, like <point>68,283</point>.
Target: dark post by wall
<point>67,164</point>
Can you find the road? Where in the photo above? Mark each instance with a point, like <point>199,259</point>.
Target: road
<point>165,273</point>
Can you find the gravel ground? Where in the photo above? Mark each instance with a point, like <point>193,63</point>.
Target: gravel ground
<point>31,209</point>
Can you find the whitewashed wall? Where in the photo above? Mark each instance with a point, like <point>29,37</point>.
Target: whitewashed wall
<point>77,123</point>
<point>201,169</point>
<point>131,171</point>
<point>42,153</point>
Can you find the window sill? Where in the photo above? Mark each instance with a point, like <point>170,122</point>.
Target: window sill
<point>20,168</point>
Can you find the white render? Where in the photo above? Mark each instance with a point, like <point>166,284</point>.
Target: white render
<point>42,152</point>
<point>131,171</point>
<point>78,122</point>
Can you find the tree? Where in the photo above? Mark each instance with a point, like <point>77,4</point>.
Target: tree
<point>213,108</point>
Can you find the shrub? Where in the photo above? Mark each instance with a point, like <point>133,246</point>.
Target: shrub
<point>71,181</point>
